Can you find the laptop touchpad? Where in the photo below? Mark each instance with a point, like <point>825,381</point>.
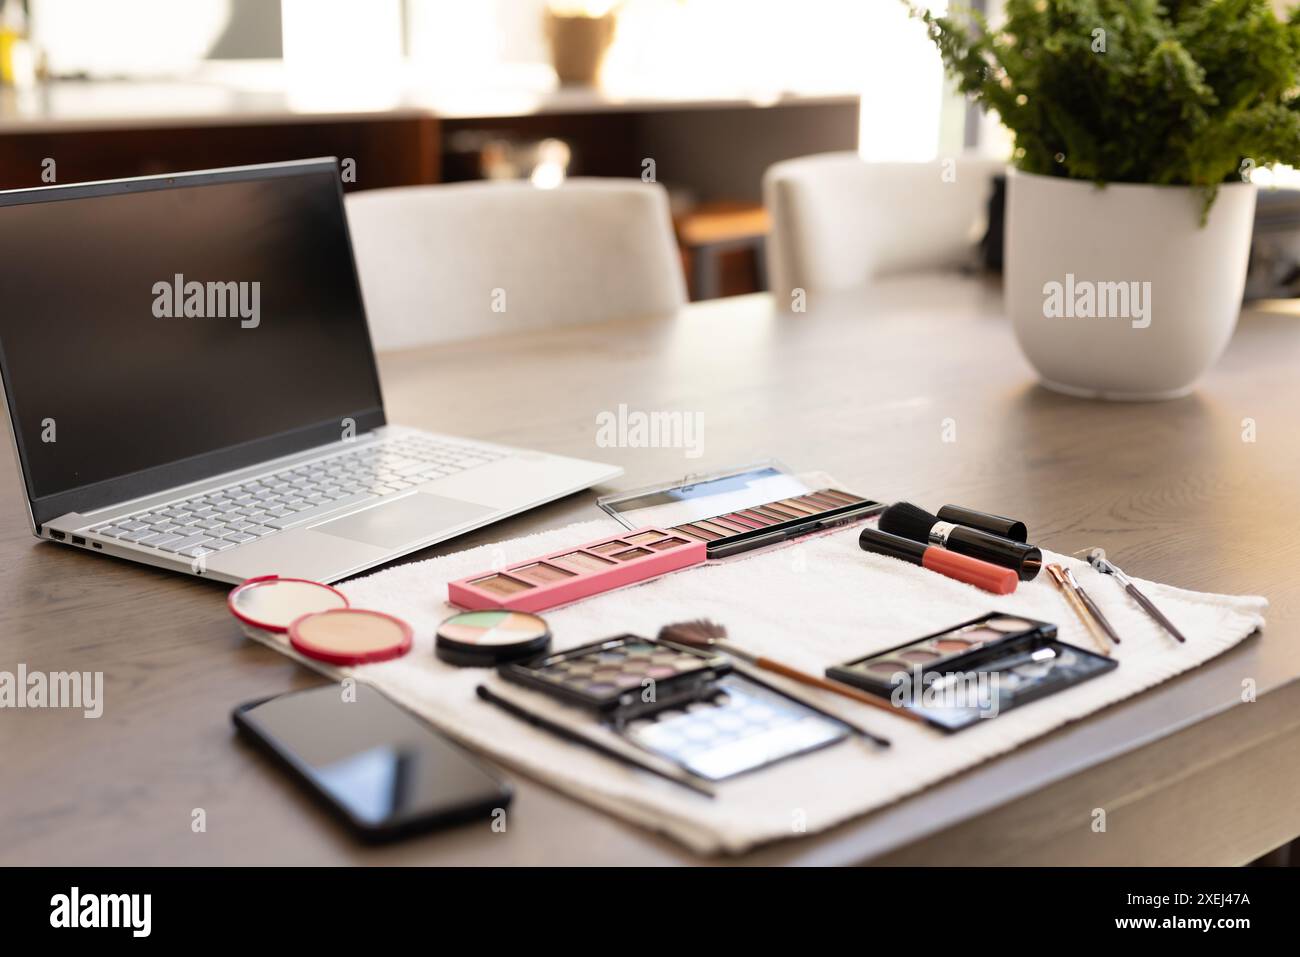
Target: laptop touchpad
<point>405,520</point>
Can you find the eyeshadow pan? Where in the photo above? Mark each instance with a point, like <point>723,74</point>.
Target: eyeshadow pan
<point>756,517</point>
<point>742,519</point>
<point>952,644</point>
<point>542,573</point>
<point>889,666</point>
<point>631,553</point>
<point>584,561</point>
<point>824,501</point>
<point>641,538</point>
<point>919,655</point>
<point>731,525</point>
<point>796,505</point>
<point>501,584</point>
<point>696,532</point>
<point>771,513</point>
<point>813,503</point>
<point>667,543</point>
<point>721,530</point>
<point>606,548</point>
<point>784,511</point>
<point>1008,625</point>
<point>842,497</point>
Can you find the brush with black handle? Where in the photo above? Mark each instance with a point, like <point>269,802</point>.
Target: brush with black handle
<point>1097,559</point>
<point>909,521</point>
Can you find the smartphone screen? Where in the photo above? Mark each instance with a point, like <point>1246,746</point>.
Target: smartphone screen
<point>384,769</point>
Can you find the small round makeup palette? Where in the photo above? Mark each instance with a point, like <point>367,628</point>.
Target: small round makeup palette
<point>942,651</point>
<point>481,639</point>
<point>273,603</point>
<point>350,636</point>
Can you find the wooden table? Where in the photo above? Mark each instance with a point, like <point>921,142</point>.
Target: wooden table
<point>860,387</point>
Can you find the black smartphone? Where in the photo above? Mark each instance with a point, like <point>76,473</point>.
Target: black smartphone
<point>384,770</point>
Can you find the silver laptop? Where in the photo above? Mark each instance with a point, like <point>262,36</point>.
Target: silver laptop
<point>190,384</point>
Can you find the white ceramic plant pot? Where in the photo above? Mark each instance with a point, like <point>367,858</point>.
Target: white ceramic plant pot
<point>1119,292</point>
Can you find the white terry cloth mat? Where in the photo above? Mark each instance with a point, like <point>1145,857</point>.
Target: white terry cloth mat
<point>813,603</point>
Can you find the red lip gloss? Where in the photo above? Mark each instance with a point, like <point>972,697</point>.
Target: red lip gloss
<point>972,571</point>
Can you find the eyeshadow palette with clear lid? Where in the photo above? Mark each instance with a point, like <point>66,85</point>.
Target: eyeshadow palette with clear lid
<point>740,509</point>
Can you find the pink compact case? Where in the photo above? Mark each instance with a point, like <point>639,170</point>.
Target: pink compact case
<point>574,573</point>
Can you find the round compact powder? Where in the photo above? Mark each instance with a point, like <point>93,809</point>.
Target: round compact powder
<point>350,636</point>
<point>481,639</point>
<point>273,603</point>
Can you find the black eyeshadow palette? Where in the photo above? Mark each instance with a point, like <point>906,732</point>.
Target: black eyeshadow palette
<point>623,677</point>
<point>942,651</point>
<point>954,687</point>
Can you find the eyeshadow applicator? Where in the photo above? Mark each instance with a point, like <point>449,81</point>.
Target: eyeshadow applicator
<point>1097,559</point>
<point>1091,605</point>
<point>909,521</point>
<point>708,634</point>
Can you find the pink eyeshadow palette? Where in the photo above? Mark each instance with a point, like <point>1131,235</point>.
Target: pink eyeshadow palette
<point>566,576</point>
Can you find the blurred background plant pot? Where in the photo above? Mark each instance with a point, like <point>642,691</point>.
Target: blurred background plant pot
<point>578,45</point>
<point>1079,236</point>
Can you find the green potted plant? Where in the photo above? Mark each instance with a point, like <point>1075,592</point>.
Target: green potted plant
<point>1137,125</point>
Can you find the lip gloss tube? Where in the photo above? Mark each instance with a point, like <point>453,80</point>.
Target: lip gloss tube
<point>963,568</point>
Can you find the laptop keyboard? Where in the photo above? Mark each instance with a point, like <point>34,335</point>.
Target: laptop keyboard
<point>247,511</point>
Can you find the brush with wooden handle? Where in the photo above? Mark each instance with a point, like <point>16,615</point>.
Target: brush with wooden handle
<point>1102,640</point>
<point>708,634</point>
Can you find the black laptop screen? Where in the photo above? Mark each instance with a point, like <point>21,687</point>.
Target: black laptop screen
<point>207,326</point>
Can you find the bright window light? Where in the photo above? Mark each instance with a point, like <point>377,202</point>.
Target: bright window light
<point>339,54</point>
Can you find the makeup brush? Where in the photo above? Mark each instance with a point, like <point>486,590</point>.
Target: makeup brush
<point>1057,574</point>
<point>1091,605</point>
<point>910,521</point>
<point>708,634</point>
<point>1098,560</point>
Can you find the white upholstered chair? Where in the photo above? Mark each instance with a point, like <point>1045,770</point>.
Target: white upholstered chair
<point>839,222</point>
<point>456,261</point>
